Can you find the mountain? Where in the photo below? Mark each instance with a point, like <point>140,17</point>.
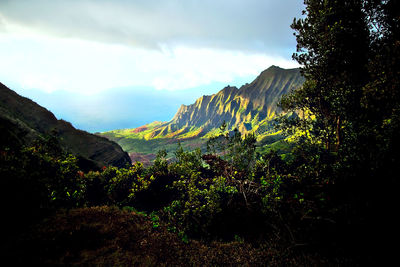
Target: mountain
<point>242,108</point>
<point>23,121</point>
<point>249,109</point>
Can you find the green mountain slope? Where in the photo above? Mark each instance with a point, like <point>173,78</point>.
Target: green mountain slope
<point>249,109</point>
<point>23,121</point>
<point>242,108</point>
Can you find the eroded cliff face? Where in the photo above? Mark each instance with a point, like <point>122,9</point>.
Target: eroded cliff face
<point>242,108</point>
<point>27,121</point>
<point>249,109</point>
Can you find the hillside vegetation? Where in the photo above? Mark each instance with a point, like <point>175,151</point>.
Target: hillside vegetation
<point>331,199</point>
<point>200,209</point>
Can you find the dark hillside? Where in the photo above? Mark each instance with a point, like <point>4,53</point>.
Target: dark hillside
<point>26,121</point>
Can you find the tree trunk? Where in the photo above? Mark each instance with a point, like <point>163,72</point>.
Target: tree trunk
<point>338,132</point>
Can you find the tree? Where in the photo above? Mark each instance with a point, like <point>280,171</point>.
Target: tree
<point>332,48</point>
<point>350,56</point>
<point>238,151</point>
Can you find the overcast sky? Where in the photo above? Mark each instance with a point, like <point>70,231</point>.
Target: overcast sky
<point>83,48</point>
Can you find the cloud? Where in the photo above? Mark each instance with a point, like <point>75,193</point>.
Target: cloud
<point>255,25</point>
<point>51,64</point>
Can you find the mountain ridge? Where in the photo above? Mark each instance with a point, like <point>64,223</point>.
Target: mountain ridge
<point>26,121</point>
<point>242,108</point>
<point>250,109</point>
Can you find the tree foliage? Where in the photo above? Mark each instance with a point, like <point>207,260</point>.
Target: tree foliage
<point>332,48</point>
<point>349,106</point>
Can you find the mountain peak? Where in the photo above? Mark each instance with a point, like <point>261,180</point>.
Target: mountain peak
<point>274,67</point>
<point>276,70</point>
<point>239,107</point>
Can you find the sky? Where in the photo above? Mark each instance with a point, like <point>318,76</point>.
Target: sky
<point>106,65</point>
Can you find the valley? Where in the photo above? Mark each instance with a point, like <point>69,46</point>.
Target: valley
<point>252,108</point>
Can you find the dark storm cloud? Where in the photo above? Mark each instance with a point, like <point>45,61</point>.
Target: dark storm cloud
<point>254,25</point>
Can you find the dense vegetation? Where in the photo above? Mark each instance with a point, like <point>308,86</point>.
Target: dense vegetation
<point>331,199</point>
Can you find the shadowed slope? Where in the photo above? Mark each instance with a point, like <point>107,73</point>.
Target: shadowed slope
<point>26,121</point>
